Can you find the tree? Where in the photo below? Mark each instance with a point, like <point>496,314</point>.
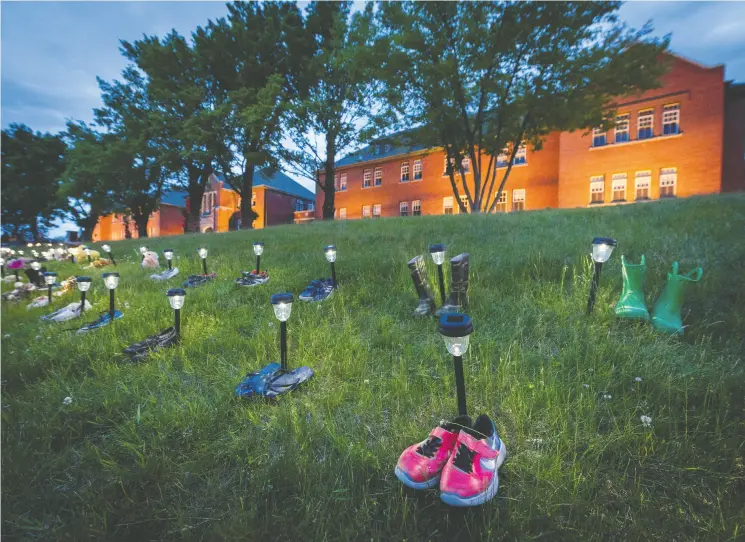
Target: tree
<point>135,152</point>
<point>332,110</point>
<point>182,105</point>
<point>485,78</point>
<point>252,56</point>
<point>89,181</point>
<point>32,166</point>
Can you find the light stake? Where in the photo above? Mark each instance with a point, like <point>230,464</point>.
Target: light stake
<point>330,251</point>
<point>203,254</point>
<point>282,304</point>
<point>258,250</point>
<point>143,251</point>
<point>602,248</point>
<point>36,267</point>
<point>456,328</point>
<point>107,250</point>
<point>88,253</point>
<point>2,267</point>
<point>50,278</point>
<point>84,284</point>
<point>176,299</point>
<point>438,256</point>
<point>168,255</point>
<point>111,280</point>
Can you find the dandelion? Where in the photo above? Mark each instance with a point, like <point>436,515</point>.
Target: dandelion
<point>646,421</point>
<point>638,379</point>
<point>67,401</point>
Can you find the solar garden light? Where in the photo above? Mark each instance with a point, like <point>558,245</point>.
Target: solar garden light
<point>50,278</point>
<point>203,254</point>
<point>2,267</point>
<point>111,280</point>
<point>168,255</point>
<point>258,250</point>
<point>88,253</point>
<point>107,250</point>
<point>456,329</point>
<point>330,251</point>
<point>143,251</point>
<point>438,256</point>
<point>602,248</point>
<point>282,304</point>
<point>36,267</point>
<point>176,299</point>
<point>84,284</point>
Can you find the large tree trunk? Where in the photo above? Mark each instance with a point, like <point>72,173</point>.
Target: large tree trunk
<point>247,214</point>
<point>197,182</point>
<point>141,223</point>
<point>329,188</point>
<point>34,227</point>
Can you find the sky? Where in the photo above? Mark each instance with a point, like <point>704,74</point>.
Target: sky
<point>51,52</point>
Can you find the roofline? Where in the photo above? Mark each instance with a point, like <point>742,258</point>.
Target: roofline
<point>266,187</point>
<point>697,64</point>
<point>385,158</point>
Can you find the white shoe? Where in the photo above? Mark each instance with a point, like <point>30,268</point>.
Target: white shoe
<point>70,312</point>
<point>41,301</point>
<point>165,275</point>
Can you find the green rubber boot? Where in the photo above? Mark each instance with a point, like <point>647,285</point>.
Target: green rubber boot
<point>632,304</point>
<point>666,314</point>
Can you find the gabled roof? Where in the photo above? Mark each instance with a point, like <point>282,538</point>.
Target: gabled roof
<point>177,198</point>
<point>384,148</point>
<point>278,181</point>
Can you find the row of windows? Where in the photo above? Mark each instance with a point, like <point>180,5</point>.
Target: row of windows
<point>644,126</point>
<point>642,184</point>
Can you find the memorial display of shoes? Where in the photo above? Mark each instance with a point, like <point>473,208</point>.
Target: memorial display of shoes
<point>193,281</point>
<point>252,278</point>
<point>165,275</point>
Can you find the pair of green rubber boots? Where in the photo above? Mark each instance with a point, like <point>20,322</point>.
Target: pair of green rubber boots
<point>666,313</point>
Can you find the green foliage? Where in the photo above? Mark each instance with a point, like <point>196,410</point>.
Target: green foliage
<point>32,166</point>
<point>483,77</point>
<point>162,451</point>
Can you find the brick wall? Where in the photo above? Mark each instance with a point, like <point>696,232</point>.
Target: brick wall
<point>734,139</point>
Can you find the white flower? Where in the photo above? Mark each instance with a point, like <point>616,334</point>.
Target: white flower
<point>367,381</point>
<point>126,304</point>
<point>6,336</point>
<point>607,396</point>
<point>38,337</point>
<point>638,379</point>
<point>67,401</point>
<point>586,386</point>
<point>646,421</point>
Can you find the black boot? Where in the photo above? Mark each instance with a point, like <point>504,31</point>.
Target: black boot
<point>419,275</point>
<point>457,301</point>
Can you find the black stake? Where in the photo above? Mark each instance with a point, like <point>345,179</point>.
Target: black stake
<point>258,263</point>
<point>178,321</point>
<point>111,304</point>
<point>111,257</point>
<point>333,275</point>
<point>460,385</point>
<point>594,286</point>
<point>82,302</point>
<point>283,345</point>
<point>204,265</point>
<point>49,294</point>
<point>441,280</point>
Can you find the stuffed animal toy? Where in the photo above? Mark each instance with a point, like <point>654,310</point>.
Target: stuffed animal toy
<point>150,261</point>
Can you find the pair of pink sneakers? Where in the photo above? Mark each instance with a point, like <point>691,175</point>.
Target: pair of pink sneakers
<point>463,458</point>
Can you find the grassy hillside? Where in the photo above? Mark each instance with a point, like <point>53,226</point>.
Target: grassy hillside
<point>162,451</point>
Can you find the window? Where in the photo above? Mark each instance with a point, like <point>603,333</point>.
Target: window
<point>501,206</point>
<point>518,199</point>
<point>343,182</point>
<point>464,201</point>
<point>417,170</point>
<point>619,187</point>
<point>447,205</point>
<point>465,165</point>
<point>597,189</point>
<point>378,176</point>
<point>310,206</point>
<point>622,128</point>
<point>366,178</point>
<point>522,155</point>
<point>445,166</point>
<point>416,207</point>
<point>598,137</point>
<point>376,210</point>
<point>403,208</point>
<point>343,213</point>
<point>336,182</point>
<point>642,184</point>
<point>365,211</point>
<point>503,158</point>
<point>404,172</point>
<point>671,119</point>
<point>668,180</point>
<point>646,124</point>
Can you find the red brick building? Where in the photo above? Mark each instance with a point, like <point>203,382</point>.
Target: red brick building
<point>682,139</point>
<point>275,199</point>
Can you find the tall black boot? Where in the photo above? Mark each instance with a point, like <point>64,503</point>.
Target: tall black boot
<point>421,283</point>
<point>457,301</point>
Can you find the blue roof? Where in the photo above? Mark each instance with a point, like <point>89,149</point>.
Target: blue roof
<point>278,181</point>
<point>384,148</point>
<point>177,198</point>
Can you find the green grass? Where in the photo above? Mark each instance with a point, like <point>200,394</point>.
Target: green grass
<point>162,451</point>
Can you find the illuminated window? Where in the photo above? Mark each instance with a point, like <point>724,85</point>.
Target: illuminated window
<point>671,119</point>
<point>378,176</point>
<point>642,182</point>
<point>597,189</point>
<point>416,207</point>
<point>518,199</point>
<point>668,180</point>
<point>403,208</point>
<point>501,206</point>
<point>447,205</point>
<point>645,124</point>
<point>365,211</point>
<point>417,170</point>
<point>598,137</point>
<point>366,178</point>
<point>376,210</point>
<point>619,187</point>
<point>404,172</point>
<point>522,155</point>
<point>343,213</point>
<point>343,182</point>
<point>622,128</point>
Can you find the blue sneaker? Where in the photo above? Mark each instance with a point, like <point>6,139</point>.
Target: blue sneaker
<point>102,320</point>
<point>318,290</point>
<point>286,381</point>
<point>255,383</point>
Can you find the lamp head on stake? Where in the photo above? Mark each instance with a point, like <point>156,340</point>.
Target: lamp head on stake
<point>438,253</point>
<point>456,329</point>
<point>282,304</point>
<point>602,248</point>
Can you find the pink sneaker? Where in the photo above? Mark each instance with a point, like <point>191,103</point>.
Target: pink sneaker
<point>470,477</point>
<point>420,465</point>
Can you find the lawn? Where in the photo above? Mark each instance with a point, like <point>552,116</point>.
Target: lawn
<point>161,450</point>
